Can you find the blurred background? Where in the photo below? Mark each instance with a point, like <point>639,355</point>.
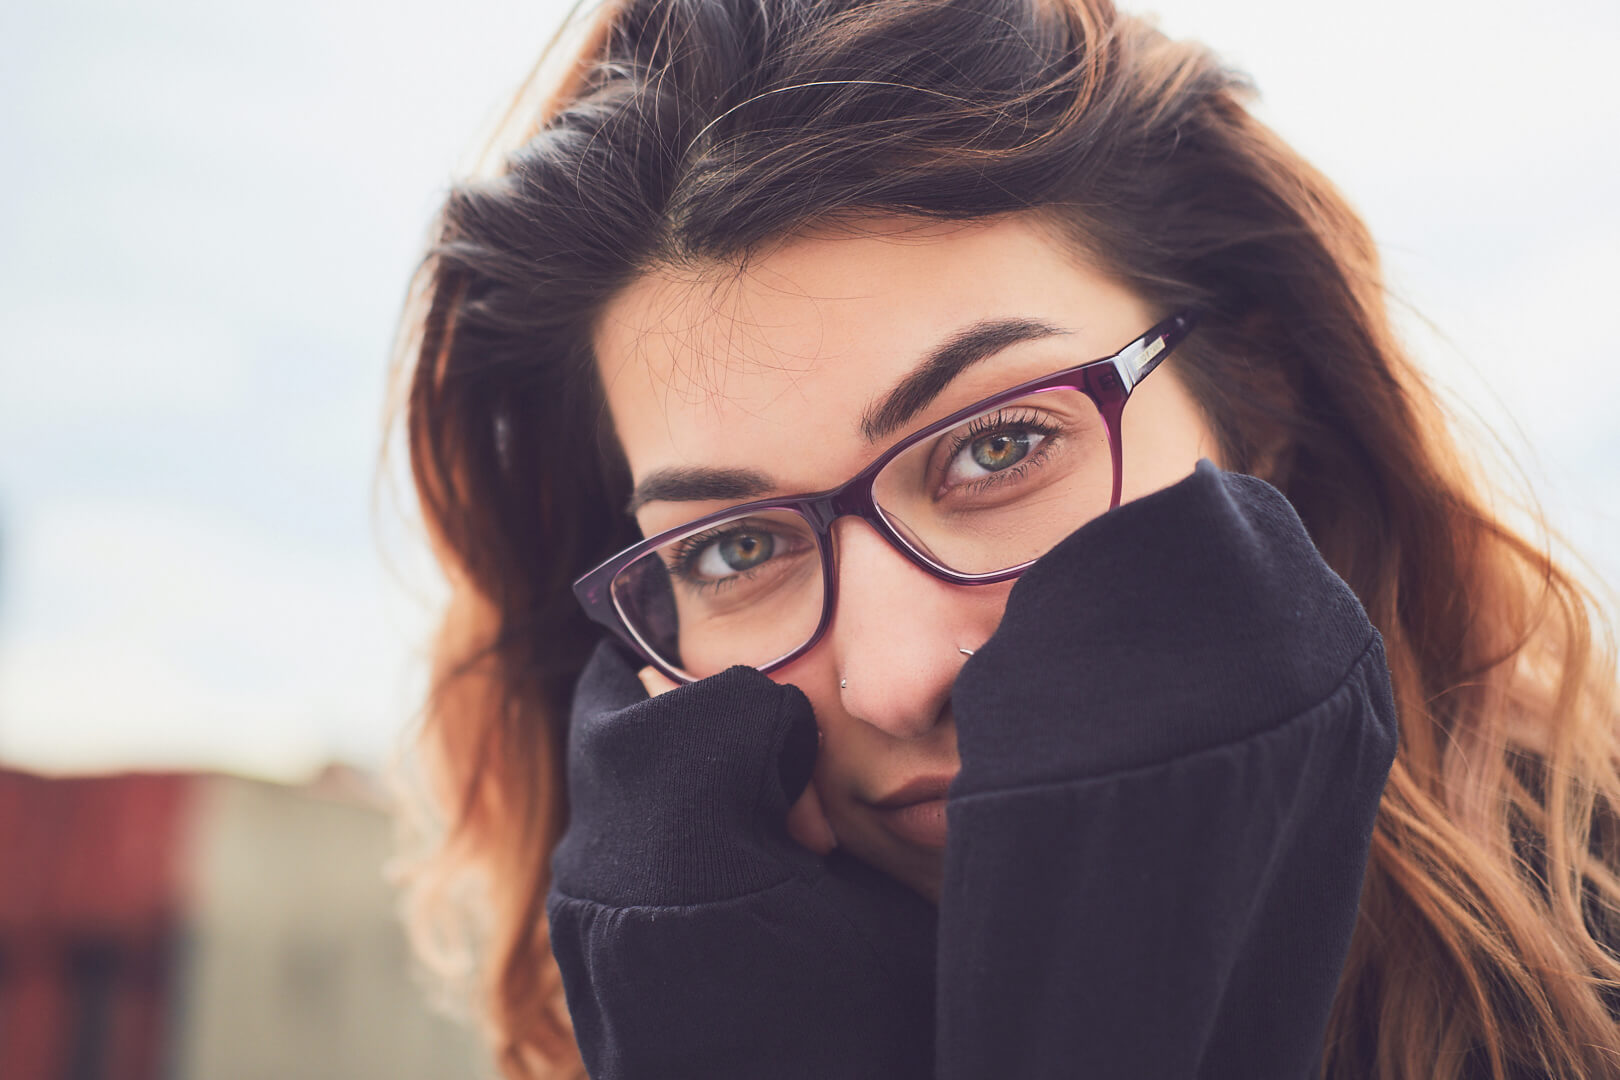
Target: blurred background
<point>211,633</point>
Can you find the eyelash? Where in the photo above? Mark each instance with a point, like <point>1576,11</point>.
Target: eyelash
<point>989,425</point>
<point>688,551</point>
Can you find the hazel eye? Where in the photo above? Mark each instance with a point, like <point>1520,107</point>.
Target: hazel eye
<point>734,553</point>
<point>1001,450</point>
<point>991,454</point>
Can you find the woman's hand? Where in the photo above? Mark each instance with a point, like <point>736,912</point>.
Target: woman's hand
<point>697,936</point>
<point>806,821</point>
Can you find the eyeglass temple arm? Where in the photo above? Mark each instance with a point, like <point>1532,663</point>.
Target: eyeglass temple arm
<point>1140,357</point>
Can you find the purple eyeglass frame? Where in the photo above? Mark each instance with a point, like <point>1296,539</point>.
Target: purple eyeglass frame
<point>1108,382</point>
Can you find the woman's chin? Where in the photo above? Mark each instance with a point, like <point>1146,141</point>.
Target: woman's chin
<point>920,869</point>
<point>927,884</point>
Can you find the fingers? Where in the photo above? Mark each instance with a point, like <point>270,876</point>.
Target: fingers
<point>807,823</point>
<point>655,681</point>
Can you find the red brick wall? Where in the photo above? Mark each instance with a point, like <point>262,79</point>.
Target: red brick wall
<point>91,905</point>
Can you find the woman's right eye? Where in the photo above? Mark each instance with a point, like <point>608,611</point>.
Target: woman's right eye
<point>732,553</point>
<point>729,554</point>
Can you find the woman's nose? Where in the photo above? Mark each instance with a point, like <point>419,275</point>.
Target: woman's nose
<point>894,635</point>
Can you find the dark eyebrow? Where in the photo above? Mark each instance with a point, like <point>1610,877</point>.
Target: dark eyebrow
<point>694,484</point>
<point>962,350</point>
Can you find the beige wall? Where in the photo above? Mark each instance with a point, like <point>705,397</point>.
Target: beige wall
<point>296,967</point>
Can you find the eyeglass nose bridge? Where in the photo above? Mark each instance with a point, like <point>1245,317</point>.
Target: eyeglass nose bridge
<point>855,499</point>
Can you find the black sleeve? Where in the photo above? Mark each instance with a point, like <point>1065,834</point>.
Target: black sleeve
<point>1172,753</point>
<point>696,940</point>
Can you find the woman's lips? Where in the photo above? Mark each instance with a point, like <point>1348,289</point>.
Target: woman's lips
<point>915,811</point>
<point>919,823</point>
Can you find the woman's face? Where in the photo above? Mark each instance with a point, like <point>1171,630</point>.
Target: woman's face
<point>772,369</point>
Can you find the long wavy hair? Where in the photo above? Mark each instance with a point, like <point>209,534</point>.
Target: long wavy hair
<point>673,132</point>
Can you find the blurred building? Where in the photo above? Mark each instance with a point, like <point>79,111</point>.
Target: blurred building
<point>200,927</point>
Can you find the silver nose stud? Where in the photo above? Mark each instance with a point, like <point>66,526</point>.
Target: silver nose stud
<point>965,652</point>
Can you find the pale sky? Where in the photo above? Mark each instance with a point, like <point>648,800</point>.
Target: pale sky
<point>209,212</point>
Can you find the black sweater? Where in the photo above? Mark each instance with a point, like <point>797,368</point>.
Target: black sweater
<point>1172,753</point>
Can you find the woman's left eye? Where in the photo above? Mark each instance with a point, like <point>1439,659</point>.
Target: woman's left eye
<point>990,454</point>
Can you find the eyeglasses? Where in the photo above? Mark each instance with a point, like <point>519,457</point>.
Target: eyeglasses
<point>972,499</point>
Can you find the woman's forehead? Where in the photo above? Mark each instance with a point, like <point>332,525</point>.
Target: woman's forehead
<point>772,364</point>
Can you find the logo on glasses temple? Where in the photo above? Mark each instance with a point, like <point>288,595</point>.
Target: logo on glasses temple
<point>1133,361</point>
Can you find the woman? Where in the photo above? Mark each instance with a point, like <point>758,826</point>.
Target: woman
<point>1074,672</point>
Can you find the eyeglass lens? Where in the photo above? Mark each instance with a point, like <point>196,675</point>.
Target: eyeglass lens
<point>994,492</point>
